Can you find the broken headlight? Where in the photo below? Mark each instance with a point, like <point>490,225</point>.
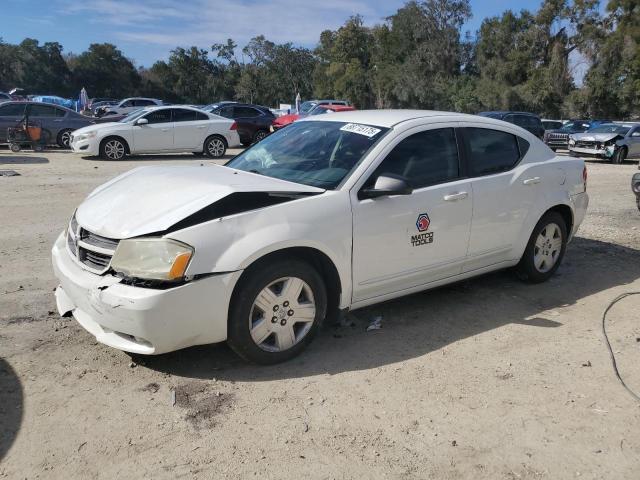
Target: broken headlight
<point>572,141</point>
<point>152,259</point>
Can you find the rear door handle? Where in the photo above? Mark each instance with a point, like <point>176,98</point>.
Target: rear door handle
<point>452,197</point>
<point>531,181</point>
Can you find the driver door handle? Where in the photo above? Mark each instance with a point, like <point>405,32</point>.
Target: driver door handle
<point>531,181</point>
<point>452,197</point>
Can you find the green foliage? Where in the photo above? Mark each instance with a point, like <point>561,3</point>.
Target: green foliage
<point>417,58</point>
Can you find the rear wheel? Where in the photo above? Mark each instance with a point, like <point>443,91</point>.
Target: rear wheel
<point>215,147</point>
<point>113,149</point>
<point>259,136</point>
<point>276,311</point>
<point>64,138</point>
<point>619,156</point>
<point>545,249</point>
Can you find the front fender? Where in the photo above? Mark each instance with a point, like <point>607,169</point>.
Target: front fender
<point>321,222</point>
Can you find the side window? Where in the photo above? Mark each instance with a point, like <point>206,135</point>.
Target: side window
<point>636,132</point>
<point>143,103</point>
<point>159,116</point>
<point>491,151</point>
<point>60,113</point>
<point>13,110</point>
<point>201,116</point>
<point>42,111</point>
<point>127,104</point>
<point>246,112</point>
<point>226,112</point>
<point>183,115</point>
<point>423,159</point>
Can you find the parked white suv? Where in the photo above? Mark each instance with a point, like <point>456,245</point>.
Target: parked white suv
<point>334,212</point>
<point>158,130</point>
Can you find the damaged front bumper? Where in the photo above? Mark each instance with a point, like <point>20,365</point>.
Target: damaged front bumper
<point>142,320</point>
<point>605,152</point>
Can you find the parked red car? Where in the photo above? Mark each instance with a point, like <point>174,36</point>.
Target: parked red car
<point>285,120</point>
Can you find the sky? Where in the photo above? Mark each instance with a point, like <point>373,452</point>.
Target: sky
<point>146,30</point>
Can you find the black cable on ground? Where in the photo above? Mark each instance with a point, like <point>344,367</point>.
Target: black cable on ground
<point>606,339</point>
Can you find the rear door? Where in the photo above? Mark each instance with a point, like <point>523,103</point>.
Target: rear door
<point>405,241</point>
<point>189,129</point>
<point>504,193</point>
<point>10,116</point>
<point>157,135</point>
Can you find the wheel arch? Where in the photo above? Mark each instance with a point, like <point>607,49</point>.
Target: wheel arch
<point>127,149</point>
<point>566,213</point>
<point>215,135</point>
<point>313,256</point>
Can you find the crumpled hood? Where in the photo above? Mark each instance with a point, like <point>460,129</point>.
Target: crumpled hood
<point>152,199</point>
<point>595,137</point>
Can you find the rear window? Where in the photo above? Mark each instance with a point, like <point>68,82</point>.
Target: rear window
<point>491,151</point>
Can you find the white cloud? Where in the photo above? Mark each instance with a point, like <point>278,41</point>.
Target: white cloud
<point>203,22</point>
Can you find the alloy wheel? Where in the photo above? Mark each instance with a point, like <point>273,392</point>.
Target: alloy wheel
<point>215,147</point>
<point>114,149</point>
<point>282,314</point>
<point>65,138</point>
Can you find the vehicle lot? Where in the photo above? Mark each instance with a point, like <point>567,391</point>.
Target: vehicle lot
<point>488,378</point>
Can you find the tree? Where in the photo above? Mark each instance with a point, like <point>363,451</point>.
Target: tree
<point>104,71</point>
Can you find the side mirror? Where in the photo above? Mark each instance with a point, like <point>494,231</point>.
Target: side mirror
<point>142,121</point>
<point>387,184</point>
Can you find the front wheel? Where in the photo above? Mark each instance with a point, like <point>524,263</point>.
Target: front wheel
<point>276,311</point>
<point>113,149</point>
<point>545,249</point>
<point>619,156</point>
<point>215,147</point>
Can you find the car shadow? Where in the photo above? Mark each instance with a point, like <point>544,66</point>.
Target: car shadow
<point>21,160</point>
<point>11,407</point>
<point>425,322</point>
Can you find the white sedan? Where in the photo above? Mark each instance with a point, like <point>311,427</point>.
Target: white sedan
<point>158,130</point>
<point>334,212</point>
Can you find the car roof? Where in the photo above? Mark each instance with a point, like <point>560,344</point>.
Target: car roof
<point>151,108</point>
<point>506,112</point>
<point>337,108</point>
<point>390,118</point>
<point>30,102</point>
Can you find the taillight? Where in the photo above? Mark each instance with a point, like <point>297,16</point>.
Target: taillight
<point>584,177</point>
<point>234,126</point>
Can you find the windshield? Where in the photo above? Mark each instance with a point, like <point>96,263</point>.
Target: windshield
<point>573,126</point>
<point>133,115</point>
<point>610,128</point>
<point>319,154</point>
<point>305,107</point>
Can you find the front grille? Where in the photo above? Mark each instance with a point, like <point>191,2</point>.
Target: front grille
<point>92,250</point>
<point>557,136</point>
<point>588,144</point>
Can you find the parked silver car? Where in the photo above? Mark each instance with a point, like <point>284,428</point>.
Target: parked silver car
<point>615,141</point>
<point>57,122</point>
<point>128,105</point>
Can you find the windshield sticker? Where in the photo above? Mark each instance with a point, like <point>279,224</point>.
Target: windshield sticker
<point>361,129</point>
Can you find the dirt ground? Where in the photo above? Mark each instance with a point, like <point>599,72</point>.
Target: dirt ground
<point>489,378</point>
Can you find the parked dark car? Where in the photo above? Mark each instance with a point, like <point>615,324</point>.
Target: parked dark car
<point>559,138</point>
<point>253,120</point>
<point>56,122</point>
<point>528,121</point>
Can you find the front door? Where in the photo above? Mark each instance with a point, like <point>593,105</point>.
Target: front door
<point>634,142</point>
<point>405,241</point>
<point>155,136</point>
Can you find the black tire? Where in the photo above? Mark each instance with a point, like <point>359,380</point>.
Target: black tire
<point>527,269</point>
<point>215,146</point>
<point>619,156</point>
<point>113,148</point>
<point>64,137</point>
<point>246,144</point>
<point>260,135</point>
<point>254,281</point>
